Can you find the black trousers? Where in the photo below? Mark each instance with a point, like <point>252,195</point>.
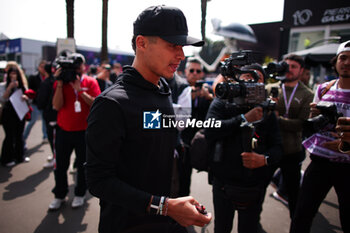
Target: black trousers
<point>290,169</point>
<point>147,225</point>
<point>12,146</point>
<point>224,210</point>
<point>66,142</point>
<point>51,135</point>
<point>319,178</point>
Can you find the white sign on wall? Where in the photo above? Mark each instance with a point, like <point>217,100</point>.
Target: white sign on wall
<point>65,44</point>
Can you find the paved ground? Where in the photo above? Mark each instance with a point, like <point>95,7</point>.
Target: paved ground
<point>26,193</point>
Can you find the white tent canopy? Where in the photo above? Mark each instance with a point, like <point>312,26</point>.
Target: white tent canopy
<point>323,49</point>
<point>318,55</point>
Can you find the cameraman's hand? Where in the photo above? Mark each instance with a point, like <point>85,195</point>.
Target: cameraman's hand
<point>332,145</point>
<point>57,73</point>
<point>274,99</point>
<point>252,160</point>
<point>313,110</point>
<point>204,92</point>
<point>343,128</point>
<point>183,211</point>
<point>254,114</point>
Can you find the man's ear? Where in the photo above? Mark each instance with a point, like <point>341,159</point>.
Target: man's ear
<point>141,42</point>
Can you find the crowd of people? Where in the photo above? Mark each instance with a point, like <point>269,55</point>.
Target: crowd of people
<point>141,175</point>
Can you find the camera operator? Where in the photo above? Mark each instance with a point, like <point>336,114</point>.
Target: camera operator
<point>201,91</point>
<point>239,172</point>
<point>292,107</point>
<point>74,93</point>
<point>330,161</point>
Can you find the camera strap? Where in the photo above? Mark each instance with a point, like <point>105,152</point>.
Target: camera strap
<point>326,89</point>
<point>288,102</point>
<point>77,105</point>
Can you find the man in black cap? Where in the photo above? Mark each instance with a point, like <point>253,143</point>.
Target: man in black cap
<point>129,149</point>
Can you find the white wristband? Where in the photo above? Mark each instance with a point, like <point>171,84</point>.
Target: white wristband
<point>161,205</point>
<point>266,157</point>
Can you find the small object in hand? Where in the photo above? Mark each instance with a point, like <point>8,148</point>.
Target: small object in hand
<point>201,209</point>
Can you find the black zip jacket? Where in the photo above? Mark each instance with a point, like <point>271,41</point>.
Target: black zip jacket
<point>44,99</point>
<point>34,82</point>
<point>126,164</point>
<point>227,165</point>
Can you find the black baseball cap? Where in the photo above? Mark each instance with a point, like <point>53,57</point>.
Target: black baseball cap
<point>169,23</point>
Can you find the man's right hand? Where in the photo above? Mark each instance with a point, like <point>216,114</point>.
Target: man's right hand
<point>183,210</point>
<point>254,114</point>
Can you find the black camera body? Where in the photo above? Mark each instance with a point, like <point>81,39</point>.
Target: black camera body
<point>230,67</point>
<point>199,83</point>
<point>68,69</point>
<point>274,69</point>
<point>328,115</point>
<point>241,93</point>
<point>69,63</point>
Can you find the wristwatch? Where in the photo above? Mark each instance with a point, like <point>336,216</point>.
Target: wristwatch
<point>267,160</point>
<point>243,120</point>
<point>155,204</point>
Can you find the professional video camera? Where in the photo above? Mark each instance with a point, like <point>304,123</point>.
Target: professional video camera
<point>69,64</point>
<point>241,92</point>
<point>328,115</point>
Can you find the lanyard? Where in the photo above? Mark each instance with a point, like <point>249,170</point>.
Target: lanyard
<point>76,93</point>
<point>288,102</point>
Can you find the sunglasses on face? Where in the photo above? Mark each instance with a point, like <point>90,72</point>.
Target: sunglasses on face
<point>197,70</point>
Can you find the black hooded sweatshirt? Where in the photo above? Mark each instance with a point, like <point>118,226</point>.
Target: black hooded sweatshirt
<point>126,163</point>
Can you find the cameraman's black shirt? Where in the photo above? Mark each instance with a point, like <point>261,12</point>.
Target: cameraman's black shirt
<point>228,167</point>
